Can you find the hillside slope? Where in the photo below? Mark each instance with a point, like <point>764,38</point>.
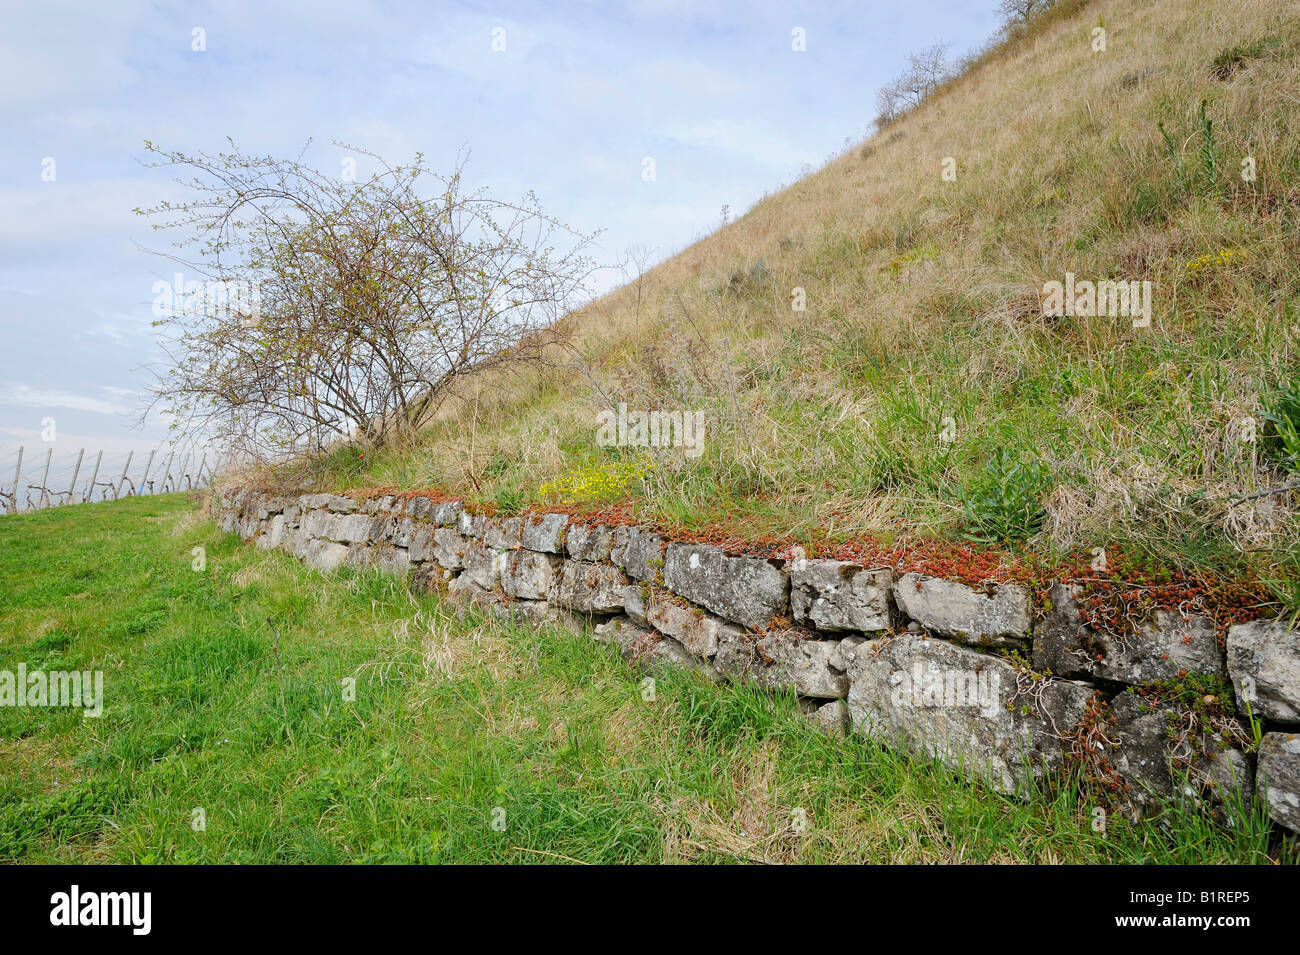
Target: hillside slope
<point>923,391</point>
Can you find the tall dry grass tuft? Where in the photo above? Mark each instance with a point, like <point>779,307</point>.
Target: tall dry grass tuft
<point>923,305</point>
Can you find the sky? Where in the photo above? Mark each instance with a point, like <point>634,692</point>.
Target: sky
<point>564,99</point>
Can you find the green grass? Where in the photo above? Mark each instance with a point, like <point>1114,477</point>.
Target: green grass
<point>224,692</point>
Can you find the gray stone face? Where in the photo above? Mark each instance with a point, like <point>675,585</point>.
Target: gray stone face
<point>544,533</point>
<point>320,523</point>
<point>972,711</point>
<point>470,525</point>
<point>1264,660</point>
<point>749,590</point>
<point>1209,767</point>
<point>417,507</point>
<point>836,595</point>
<point>831,718</point>
<point>996,616</point>
<point>1160,649</point>
<point>782,660</point>
<point>502,532</point>
<point>534,613</point>
<point>395,529</point>
<point>325,555</point>
<point>353,528</point>
<point>448,548</point>
<point>591,542</point>
<point>467,593</point>
<point>274,535</point>
<point>589,588</point>
<point>445,513</point>
<point>527,574</point>
<point>641,646</point>
<point>391,559</point>
<point>639,552</point>
<point>483,565</point>
<point>441,544</point>
<point>852,653</point>
<point>699,632</point>
<point>296,540</point>
<point>337,503</point>
<point>1279,777</point>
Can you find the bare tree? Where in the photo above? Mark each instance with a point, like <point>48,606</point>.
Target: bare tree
<point>1016,13</point>
<point>335,309</point>
<point>889,103</point>
<point>925,71</point>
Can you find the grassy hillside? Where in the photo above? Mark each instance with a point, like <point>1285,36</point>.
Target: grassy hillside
<point>923,322</point>
<point>224,692</point>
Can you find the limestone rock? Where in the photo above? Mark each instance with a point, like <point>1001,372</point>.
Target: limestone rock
<point>749,590</point>
<point>325,555</point>
<point>1264,660</point>
<point>483,565</point>
<point>783,659</point>
<point>1279,777</point>
<point>699,632</point>
<point>1209,766</point>
<point>445,513</point>
<point>973,712</point>
<point>544,533</point>
<point>590,542</point>
<point>642,646</point>
<point>838,595</point>
<point>639,552</point>
<point>589,587</point>
<point>527,575</point>
<point>995,616</point>
<point>441,544</point>
<point>502,532</point>
<point>1162,647</point>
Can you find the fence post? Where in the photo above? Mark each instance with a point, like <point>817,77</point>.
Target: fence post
<point>117,491</point>
<point>45,491</point>
<point>185,463</point>
<point>148,464</point>
<point>199,472</point>
<point>75,471</point>
<point>17,469</point>
<point>90,489</point>
<point>166,473</point>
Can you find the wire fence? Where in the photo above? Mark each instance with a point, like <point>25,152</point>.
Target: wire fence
<point>35,478</point>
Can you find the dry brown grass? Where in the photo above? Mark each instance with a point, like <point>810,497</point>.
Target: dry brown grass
<point>923,302</point>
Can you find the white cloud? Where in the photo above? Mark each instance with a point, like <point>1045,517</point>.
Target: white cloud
<point>30,397</point>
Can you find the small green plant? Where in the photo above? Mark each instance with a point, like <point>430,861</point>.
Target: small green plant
<point>1235,58</point>
<point>1004,504</point>
<point>1281,438</point>
<point>510,500</point>
<point>1207,153</point>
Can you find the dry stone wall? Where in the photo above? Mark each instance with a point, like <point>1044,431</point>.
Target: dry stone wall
<point>931,665</point>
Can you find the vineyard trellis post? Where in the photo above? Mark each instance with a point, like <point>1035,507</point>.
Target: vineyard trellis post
<point>17,471</point>
<point>72,488</point>
<point>45,478</point>
<point>117,491</point>
<point>39,493</point>
<point>90,489</point>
